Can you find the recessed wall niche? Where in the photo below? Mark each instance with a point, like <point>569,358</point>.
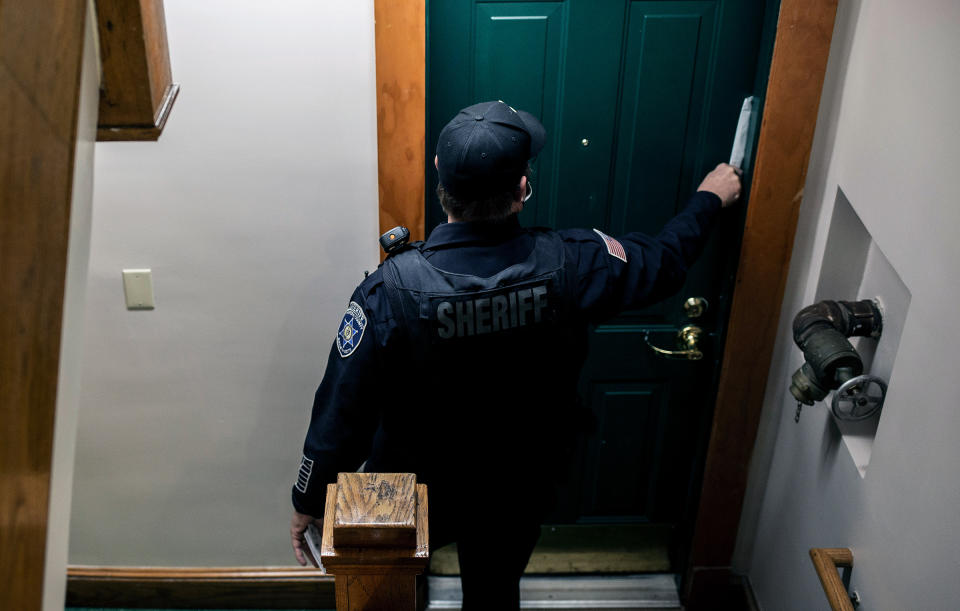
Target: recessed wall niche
<point>855,268</point>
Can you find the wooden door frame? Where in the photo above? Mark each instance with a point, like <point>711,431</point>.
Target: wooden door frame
<point>401,32</point>
<point>797,69</point>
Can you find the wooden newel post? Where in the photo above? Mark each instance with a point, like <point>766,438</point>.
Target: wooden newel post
<point>375,539</point>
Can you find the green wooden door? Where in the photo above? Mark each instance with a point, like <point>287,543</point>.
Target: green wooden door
<point>640,99</point>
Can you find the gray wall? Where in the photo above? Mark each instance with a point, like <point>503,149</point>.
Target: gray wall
<point>888,137</point>
<point>257,212</point>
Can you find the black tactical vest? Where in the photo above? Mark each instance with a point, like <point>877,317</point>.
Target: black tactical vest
<point>495,360</point>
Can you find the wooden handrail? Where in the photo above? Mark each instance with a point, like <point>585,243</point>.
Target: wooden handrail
<point>825,561</point>
<point>375,539</point>
<point>136,87</point>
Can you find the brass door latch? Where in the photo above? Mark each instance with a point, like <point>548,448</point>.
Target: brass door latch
<point>688,339</point>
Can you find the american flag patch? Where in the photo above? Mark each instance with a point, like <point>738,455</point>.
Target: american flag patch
<point>303,477</point>
<point>614,247</point>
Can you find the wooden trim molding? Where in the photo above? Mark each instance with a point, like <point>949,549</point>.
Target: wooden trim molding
<point>401,113</point>
<point>41,57</point>
<point>189,587</point>
<point>136,88</point>
<point>826,560</point>
<point>797,71</point>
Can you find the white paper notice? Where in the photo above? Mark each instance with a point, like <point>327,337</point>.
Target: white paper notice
<point>740,138</point>
<point>313,537</point>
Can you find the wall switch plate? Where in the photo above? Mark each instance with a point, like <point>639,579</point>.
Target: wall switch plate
<point>138,289</point>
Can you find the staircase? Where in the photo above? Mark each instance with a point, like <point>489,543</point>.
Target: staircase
<point>657,592</point>
<point>599,566</point>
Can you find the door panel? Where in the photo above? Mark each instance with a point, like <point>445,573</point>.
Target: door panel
<point>667,49</point>
<point>518,58</point>
<point>640,98</point>
<point>620,480</point>
<point>670,403</point>
<point>588,111</point>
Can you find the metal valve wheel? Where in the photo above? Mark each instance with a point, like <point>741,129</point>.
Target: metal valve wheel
<point>859,398</point>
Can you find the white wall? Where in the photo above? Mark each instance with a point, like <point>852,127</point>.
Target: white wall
<point>889,136</point>
<point>71,332</point>
<point>257,212</point>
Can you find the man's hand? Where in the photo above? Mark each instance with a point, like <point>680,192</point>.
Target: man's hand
<point>298,526</point>
<point>724,181</point>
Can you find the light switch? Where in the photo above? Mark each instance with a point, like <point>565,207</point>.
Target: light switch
<point>138,289</point>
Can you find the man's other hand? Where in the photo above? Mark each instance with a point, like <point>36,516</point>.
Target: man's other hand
<point>298,526</point>
<point>724,182</point>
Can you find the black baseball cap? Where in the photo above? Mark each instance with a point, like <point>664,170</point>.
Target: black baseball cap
<point>485,148</point>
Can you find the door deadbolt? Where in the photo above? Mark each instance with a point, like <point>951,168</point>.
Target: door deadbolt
<point>687,340</point>
<point>694,307</point>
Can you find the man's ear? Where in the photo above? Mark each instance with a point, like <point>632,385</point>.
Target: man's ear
<point>436,161</point>
<point>518,194</point>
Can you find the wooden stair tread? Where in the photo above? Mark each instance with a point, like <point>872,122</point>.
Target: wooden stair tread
<point>583,549</point>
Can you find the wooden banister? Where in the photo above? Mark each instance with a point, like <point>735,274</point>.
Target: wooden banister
<point>826,560</point>
<point>375,539</point>
<point>136,89</point>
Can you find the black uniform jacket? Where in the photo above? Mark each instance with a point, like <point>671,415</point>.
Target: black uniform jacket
<point>384,402</point>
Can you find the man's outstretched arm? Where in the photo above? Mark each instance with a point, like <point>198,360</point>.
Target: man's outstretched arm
<point>636,269</point>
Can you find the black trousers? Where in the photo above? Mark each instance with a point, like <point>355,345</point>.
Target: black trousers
<point>494,541</point>
<point>491,564</point>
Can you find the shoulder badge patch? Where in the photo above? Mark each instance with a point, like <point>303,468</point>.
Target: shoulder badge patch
<point>351,329</point>
<point>614,247</point>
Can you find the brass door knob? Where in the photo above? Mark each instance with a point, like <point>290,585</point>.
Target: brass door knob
<point>694,307</point>
<point>687,340</point>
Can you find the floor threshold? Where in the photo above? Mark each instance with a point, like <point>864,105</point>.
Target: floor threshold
<point>655,592</point>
